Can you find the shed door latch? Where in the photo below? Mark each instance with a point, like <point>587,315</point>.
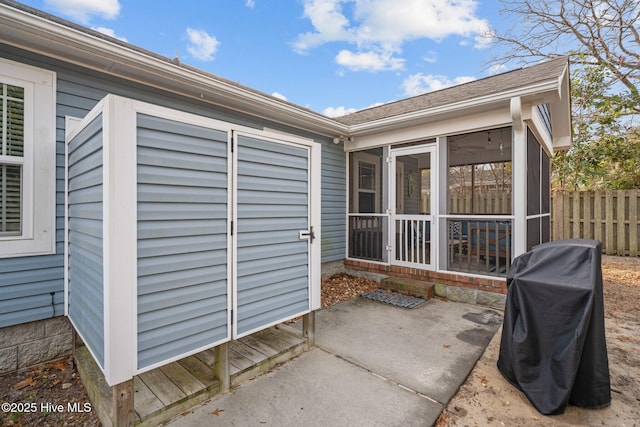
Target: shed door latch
<point>307,235</point>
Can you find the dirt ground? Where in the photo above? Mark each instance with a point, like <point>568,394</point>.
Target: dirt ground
<point>41,396</point>
<point>485,399</point>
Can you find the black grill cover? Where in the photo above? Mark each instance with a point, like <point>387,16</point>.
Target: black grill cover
<point>553,339</point>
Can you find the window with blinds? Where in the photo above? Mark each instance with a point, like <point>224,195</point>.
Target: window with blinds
<point>11,159</point>
<point>27,160</point>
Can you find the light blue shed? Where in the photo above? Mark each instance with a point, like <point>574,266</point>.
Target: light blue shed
<point>185,232</point>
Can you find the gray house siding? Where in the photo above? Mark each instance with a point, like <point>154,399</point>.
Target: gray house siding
<point>30,289</point>
<point>86,270</point>
<point>334,202</point>
<point>28,282</point>
<point>182,238</point>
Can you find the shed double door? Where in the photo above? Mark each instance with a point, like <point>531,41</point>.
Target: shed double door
<point>224,227</point>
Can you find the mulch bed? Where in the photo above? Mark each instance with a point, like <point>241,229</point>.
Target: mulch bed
<point>342,287</point>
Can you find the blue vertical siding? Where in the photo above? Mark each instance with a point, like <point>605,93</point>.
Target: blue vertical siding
<point>86,270</point>
<point>182,238</point>
<point>272,206</point>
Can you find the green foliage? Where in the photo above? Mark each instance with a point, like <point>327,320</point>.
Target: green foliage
<point>606,146</point>
<point>602,40</point>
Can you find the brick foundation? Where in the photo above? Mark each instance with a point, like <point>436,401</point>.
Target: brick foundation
<point>489,292</point>
<point>33,343</point>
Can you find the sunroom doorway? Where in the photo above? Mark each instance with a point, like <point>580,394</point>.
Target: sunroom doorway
<point>392,196</point>
<point>412,206</point>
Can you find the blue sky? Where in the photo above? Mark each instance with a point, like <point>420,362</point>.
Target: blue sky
<point>332,56</point>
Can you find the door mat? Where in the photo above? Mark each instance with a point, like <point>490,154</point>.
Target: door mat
<point>393,298</point>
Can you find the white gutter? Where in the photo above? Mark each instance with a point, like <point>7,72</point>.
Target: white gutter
<point>53,39</point>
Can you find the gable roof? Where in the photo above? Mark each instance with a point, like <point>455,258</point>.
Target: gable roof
<point>552,70</point>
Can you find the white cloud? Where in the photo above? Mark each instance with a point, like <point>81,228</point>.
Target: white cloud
<point>279,95</point>
<point>337,111</point>
<point>483,41</point>
<point>390,20</point>
<point>202,46</point>
<point>250,3</point>
<point>383,26</point>
<point>418,84</point>
<point>108,32</point>
<point>368,61</point>
<point>82,10</point>
<point>330,24</point>
<point>341,111</point>
<point>497,68</point>
<point>431,57</point>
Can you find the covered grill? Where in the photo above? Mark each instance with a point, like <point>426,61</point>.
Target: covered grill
<point>553,339</point>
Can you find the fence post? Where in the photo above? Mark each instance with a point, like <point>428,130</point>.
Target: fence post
<point>575,215</point>
<point>586,208</point>
<point>597,218</point>
<point>633,222</point>
<point>566,220</point>
<point>621,234</point>
<point>610,247</point>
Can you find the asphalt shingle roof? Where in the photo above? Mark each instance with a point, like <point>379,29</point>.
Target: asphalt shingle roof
<point>490,85</point>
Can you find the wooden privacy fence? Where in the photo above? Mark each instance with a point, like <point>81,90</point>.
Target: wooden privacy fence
<point>608,216</point>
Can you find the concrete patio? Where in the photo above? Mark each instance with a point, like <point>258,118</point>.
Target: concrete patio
<point>373,364</point>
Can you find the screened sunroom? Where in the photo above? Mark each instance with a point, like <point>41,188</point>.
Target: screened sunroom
<point>395,212</point>
<point>465,203</point>
<point>450,186</point>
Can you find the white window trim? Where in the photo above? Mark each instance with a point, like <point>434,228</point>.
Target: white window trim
<point>360,157</point>
<point>38,235</point>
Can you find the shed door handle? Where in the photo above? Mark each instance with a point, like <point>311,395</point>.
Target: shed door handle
<point>307,235</point>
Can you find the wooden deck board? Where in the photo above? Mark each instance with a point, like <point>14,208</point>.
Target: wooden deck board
<point>162,387</point>
<point>200,370</point>
<point>238,361</point>
<point>145,402</point>
<point>181,377</point>
<point>256,342</point>
<point>167,391</point>
<point>208,357</point>
<point>280,338</point>
<point>248,351</point>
